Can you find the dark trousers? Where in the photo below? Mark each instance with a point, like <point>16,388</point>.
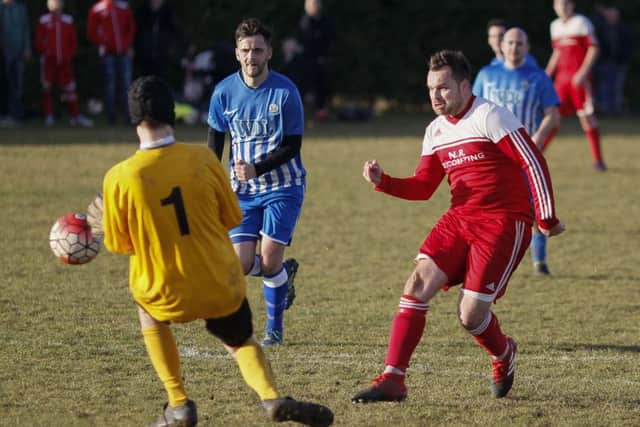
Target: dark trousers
<point>116,70</point>
<point>14,72</point>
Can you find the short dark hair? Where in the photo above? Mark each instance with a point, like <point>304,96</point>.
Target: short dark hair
<point>151,100</point>
<point>253,27</point>
<point>497,22</point>
<point>455,59</point>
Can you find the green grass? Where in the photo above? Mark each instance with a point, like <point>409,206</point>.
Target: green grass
<point>71,353</point>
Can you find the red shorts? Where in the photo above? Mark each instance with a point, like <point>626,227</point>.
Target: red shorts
<point>573,99</point>
<point>480,254</point>
<point>53,74</point>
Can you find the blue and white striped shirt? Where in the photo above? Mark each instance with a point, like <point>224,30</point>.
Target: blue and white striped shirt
<point>526,91</point>
<point>258,119</point>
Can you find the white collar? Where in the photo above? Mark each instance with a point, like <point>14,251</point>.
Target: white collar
<point>163,142</point>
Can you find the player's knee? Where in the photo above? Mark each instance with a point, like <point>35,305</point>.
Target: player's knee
<point>425,281</point>
<point>146,320</point>
<point>471,319</point>
<point>271,265</point>
<point>247,264</point>
<point>413,282</point>
<point>417,286</point>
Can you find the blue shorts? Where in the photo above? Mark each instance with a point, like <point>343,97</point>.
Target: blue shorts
<point>273,214</point>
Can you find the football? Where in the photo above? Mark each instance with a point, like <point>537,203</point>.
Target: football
<point>71,239</point>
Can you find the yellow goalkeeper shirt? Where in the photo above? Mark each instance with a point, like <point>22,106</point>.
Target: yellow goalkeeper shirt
<point>170,208</point>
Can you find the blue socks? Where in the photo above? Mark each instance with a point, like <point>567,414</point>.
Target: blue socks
<point>539,247</point>
<point>275,293</point>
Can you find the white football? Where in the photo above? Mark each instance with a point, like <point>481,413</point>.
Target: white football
<point>71,239</point>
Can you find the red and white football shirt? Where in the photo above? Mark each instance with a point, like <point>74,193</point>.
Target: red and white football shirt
<point>485,153</point>
<point>571,39</point>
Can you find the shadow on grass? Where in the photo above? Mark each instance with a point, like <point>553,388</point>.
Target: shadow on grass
<point>360,345</point>
<point>365,345</point>
<point>570,348</point>
<point>605,278</point>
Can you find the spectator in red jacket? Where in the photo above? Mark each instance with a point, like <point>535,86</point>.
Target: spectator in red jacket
<point>111,27</point>
<point>56,41</point>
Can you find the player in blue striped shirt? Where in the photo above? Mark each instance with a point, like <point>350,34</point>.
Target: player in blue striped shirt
<point>528,92</point>
<point>262,110</point>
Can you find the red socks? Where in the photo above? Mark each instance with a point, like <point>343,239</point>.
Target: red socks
<point>74,108</point>
<point>406,331</point>
<point>408,325</point>
<point>71,99</point>
<point>47,103</point>
<point>490,337</point>
<point>593,135</point>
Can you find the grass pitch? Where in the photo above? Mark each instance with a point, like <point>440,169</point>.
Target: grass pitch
<point>72,354</point>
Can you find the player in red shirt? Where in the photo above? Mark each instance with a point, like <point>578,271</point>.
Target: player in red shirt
<point>111,27</point>
<point>575,50</point>
<point>57,41</point>
<point>485,153</point>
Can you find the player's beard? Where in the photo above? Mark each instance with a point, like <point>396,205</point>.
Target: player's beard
<point>254,70</point>
<point>452,106</point>
<point>448,108</point>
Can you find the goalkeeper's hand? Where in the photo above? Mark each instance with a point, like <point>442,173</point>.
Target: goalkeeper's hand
<point>94,217</point>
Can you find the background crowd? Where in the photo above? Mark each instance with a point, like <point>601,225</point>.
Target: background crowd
<point>116,41</point>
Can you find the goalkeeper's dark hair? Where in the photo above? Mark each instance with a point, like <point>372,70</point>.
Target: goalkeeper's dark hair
<point>151,100</point>
<point>253,27</point>
<point>454,59</point>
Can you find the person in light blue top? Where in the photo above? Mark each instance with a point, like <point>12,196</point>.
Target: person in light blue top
<point>529,94</point>
<point>262,110</point>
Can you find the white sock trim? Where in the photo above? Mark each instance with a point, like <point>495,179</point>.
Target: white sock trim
<point>393,370</point>
<point>506,352</point>
<point>276,280</point>
<point>483,326</point>
<point>415,305</point>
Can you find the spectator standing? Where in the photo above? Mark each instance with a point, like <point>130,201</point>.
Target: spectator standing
<point>111,28</point>
<point>159,37</point>
<point>616,50</point>
<point>15,38</point>
<point>495,31</point>
<point>317,33</point>
<point>292,62</point>
<point>56,41</point>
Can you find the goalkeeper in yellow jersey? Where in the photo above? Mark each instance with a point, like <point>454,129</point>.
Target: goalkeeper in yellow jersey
<point>169,207</point>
